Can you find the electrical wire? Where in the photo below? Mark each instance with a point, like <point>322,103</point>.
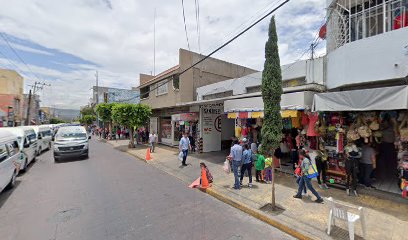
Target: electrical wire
<point>185,26</point>
<point>18,56</point>
<point>213,52</point>
<point>11,62</point>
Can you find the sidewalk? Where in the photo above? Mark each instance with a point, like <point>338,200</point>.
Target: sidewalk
<point>386,215</point>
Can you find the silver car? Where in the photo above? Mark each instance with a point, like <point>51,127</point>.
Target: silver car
<point>71,141</point>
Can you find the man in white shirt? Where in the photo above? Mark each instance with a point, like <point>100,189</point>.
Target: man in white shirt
<point>184,146</point>
<point>152,141</point>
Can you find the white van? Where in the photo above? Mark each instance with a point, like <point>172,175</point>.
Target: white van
<point>44,136</point>
<point>27,140</point>
<point>71,141</point>
<point>9,158</point>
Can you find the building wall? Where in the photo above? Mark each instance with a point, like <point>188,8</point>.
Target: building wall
<point>377,58</point>
<point>11,82</point>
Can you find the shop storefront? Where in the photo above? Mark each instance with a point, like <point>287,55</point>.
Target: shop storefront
<point>375,118</point>
<point>248,114</point>
<point>184,123</point>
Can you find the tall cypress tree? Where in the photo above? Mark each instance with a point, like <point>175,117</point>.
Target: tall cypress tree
<point>271,94</point>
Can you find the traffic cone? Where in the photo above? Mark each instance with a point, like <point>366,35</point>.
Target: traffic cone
<point>204,180</point>
<point>148,155</point>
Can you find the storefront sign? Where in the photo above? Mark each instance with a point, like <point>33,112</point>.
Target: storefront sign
<point>211,127</point>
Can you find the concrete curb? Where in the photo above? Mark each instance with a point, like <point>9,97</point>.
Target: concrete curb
<point>244,208</point>
<point>256,214</point>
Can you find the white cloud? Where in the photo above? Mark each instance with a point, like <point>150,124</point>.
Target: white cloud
<point>117,35</point>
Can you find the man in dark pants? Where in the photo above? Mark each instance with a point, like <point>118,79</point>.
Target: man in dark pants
<point>352,168</point>
<point>368,162</point>
<point>184,146</point>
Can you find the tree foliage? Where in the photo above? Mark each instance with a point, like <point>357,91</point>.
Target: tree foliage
<point>104,111</point>
<point>271,93</point>
<point>87,111</point>
<point>87,119</point>
<point>131,116</point>
<point>56,121</point>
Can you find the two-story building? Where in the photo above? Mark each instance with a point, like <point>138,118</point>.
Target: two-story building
<point>167,90</point>
<point>11,98</point>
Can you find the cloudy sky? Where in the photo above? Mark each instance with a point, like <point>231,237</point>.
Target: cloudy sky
<point>63,43</point>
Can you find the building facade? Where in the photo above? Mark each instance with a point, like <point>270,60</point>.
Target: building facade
<point>112,95</point>
<point>11,98</point>
<point>167,90</point>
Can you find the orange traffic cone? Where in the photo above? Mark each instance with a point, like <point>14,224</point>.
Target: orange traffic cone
<point>148,155</point>
<point>204,180</point>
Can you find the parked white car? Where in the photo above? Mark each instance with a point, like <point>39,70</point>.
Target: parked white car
<point>44,136</point>
<point>27,140</point>
<point>9,159</point>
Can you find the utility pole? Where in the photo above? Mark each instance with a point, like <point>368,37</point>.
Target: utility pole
<point>97,93</point>
<point>37,86</point>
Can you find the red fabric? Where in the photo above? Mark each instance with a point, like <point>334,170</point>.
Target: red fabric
<point>398,21</point>
<point>340,143</point>
<point>243,115</point>
<point>305,119</point>
<point>245,131</point>
<point>313,118</point>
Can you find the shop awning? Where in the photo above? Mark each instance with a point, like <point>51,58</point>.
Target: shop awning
<point>289,101</point>
<point>387,98</point>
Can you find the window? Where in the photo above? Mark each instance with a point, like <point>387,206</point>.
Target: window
<point>144,92</point>
<point>176,82</point>
<point>13,148</point>
<point>162,88</point>
<point>218,95</point>
<point>253,89</point>
<point>3,152</point>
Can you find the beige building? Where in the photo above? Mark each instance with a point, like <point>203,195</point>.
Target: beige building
<point>168,89</point>
<point>11,97</point>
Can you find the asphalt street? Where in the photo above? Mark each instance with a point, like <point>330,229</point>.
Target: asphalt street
<point>112,195</point>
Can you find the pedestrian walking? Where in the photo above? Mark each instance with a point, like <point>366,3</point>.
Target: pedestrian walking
<point>152,141</point>
<point>236,159</point>
<point>247,165</point>
<point>184,146</point>
<point>306,177</point>
<point>298,175</point>
<point>259,167</point>
<point>321,165</point>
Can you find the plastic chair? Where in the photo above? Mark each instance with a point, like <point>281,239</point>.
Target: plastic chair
<point>343,212</point>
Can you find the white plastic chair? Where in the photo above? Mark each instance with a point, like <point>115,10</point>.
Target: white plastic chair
<point>343,212</point>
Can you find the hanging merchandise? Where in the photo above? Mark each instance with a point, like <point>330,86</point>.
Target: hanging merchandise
<point>313,120</point>
<point>305,119</point>
<point>259,122</point>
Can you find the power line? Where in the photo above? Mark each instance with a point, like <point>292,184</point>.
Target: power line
<point>18,56</point>
<point>185,26</point>
<point>11,62</point>
<point>213,52</point>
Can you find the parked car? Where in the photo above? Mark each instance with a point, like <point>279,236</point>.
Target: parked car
<point>71,141</point>
<point>44,136</point>
<point>27,141</point>
<point>9,159</point>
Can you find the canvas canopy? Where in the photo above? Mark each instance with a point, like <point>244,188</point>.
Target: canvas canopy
<point>289,101</point>
<point>387,98</point>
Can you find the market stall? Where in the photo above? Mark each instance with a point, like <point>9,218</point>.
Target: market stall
<point>375,118</point>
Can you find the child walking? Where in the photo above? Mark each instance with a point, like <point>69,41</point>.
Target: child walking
<point>268,170</point>
<point>259,167</point>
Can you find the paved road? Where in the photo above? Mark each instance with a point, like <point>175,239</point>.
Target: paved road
<point>114,196</point>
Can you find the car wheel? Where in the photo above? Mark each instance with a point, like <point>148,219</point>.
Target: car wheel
<point>12,182</point>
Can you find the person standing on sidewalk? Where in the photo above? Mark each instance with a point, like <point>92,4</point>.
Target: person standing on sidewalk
<point>184,146</point>
<point>247,165</point>
<point>305,180</point>
<point>152,141</point>
<point>352,164</point>
<point>236,158</point>
<point>368,163</point>
<point>259,167</point>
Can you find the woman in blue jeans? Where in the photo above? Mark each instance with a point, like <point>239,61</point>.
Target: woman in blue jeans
<point>305,180</point>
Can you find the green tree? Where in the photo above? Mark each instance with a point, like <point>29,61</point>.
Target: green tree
<point>56,121</point>
<point>104,111</point>
<point>87,111</point>
<point>131,116</point>
<point>87,119</point>
<point>271,95</point>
